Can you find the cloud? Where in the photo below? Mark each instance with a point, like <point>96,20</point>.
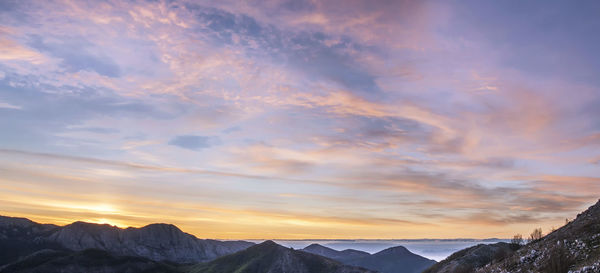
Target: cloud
<point>378,107</point>
<point>11,51</point>
<point>97,130</point>
<point>195,143</point>
<point>232,129</point>
<point>261,158</point>
<point>76,56</point>
<point>6,105</point>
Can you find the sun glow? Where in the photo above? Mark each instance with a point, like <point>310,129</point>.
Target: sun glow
<point>96,208</point>
<point>107,221</point>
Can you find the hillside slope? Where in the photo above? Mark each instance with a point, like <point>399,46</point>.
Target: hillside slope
<point>22,237</point>
<point>573,248</point>
<point>90,261</point>
<point>467,260</point>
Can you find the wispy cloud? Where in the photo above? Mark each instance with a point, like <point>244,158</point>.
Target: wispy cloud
<point>9,106</point>
<point>194,142</point>
<point>375,111</point>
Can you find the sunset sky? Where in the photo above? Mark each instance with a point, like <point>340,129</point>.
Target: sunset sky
<point>301,119</point>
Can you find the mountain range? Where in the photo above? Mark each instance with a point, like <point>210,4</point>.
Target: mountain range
<point>392,260</point>
<point>273,258</point>
<point>158,242</point>
<point>27,246</point>
<point>87,247</point>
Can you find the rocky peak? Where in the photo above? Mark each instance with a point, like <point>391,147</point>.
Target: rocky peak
<point>320,250</point>
<point>397,250</point>
<point>269,246</point>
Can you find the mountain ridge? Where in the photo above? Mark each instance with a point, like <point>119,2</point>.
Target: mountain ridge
<point>396,259</point>
<point>273,258</point>
<point>159,242</point>
<point>343,256</point>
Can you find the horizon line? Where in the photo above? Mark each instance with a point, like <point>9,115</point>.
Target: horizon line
<point>273,239</point>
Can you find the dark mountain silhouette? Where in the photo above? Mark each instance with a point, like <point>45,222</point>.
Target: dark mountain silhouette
<point>392,260</point>
<point>343,256</point>
<point>467,260</point>
<point>20,237</point>
<point>158,242</point>
<point>89,261</point>
<point>395,260</point>
<point>273,258</point>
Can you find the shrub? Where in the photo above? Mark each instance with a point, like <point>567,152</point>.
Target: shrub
<point>559,260</point>
<point>516,242</point>
<point>464,268</point>
<point>500,255</point>
<point>535,235</point>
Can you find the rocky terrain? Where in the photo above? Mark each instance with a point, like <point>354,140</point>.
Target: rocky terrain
<point>467,260</point>
<point>273,258</point>
<point>573,248</point>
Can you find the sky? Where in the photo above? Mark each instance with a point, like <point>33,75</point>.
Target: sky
<point>301,119</point>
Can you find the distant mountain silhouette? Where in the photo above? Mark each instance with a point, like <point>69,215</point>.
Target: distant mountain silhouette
<point>392,260</point>
<point>273,258</point>
<point>343,256</point>
<point>158,242</point>
<point>395,260</point>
